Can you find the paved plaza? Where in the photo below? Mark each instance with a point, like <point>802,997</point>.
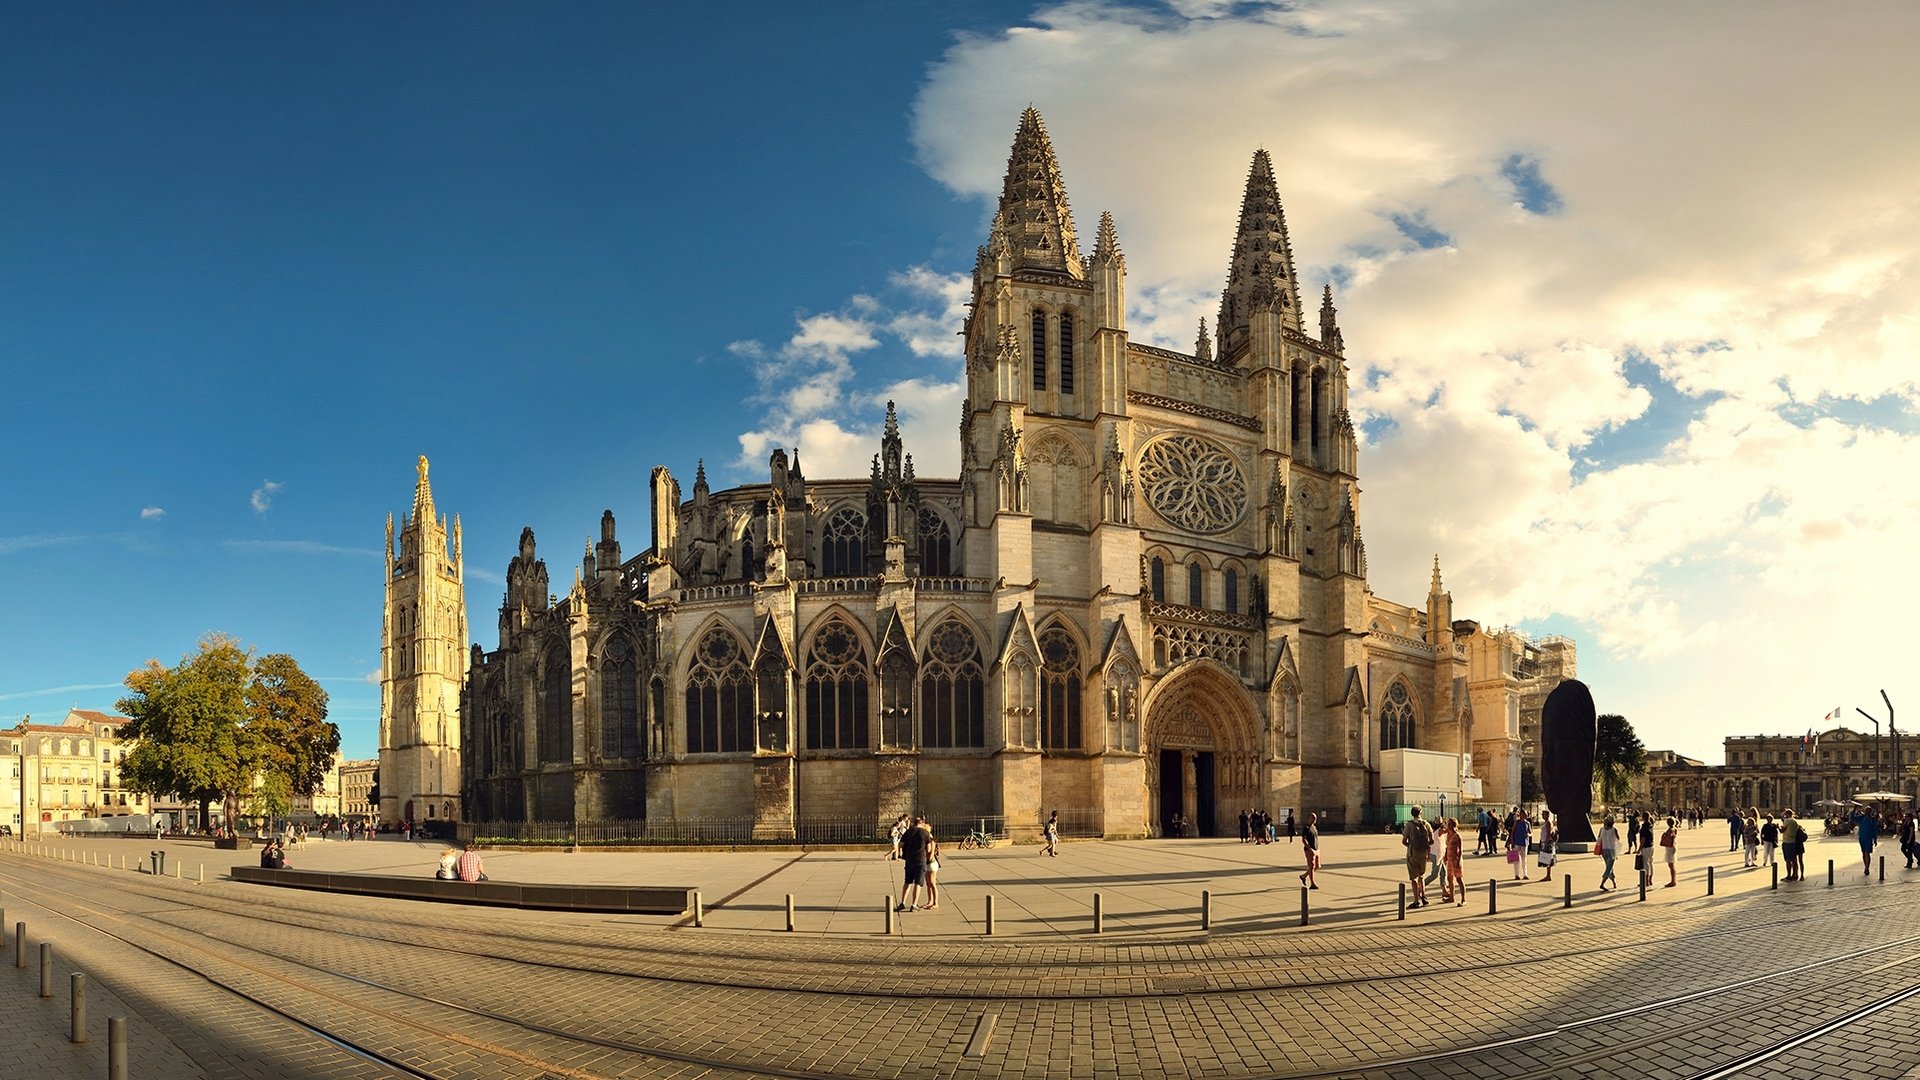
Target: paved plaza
<point>224,979</point>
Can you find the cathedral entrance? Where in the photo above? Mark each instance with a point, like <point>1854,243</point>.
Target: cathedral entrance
<point>1200,733</point>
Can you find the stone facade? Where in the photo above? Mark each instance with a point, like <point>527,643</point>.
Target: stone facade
<point>1766,770</point>
<point>66,772</point>
<point>423,665</point>
<point>356,783</point>
<point>1145,593</point>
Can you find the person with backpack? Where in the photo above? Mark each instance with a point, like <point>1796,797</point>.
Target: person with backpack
<point>1417,836</point>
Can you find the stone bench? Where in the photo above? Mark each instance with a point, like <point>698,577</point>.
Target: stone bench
<point>617,899</point>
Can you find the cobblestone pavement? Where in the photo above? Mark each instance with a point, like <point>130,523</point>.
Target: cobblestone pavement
<point>232,980</point>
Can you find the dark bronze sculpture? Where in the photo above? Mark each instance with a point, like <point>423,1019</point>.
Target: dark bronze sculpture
<point>1567,731</point>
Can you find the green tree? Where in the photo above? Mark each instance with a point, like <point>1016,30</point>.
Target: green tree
<point>1618,756</point>
<point>1530,791</point>
<point>293,743</point>
<point>219,725</point>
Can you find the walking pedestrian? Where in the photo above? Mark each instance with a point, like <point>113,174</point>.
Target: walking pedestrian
<point>1310,847</point>
<point>894,834</point>
<point>1053,835</point>
<point>1907,848</point>
<point>1734,828</point>
<point>1290,827</point>
<point>1866,826</point>
<point>1455,881</point>
<point>1246,825</point>
<point>1750,835</point>
<point>1769,838</point>
<point>1549,843</point>
<point>1417,837</point>
<point>1669,848</point>
<point>1609,850</point>
<point>933,869</point>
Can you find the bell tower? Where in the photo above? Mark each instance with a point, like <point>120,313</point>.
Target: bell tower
<point>423,665</point>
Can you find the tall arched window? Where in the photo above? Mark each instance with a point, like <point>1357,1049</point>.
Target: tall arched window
<point>953,709</point>
<point>1039,350</point>
<point>1066,353</point>
<point>936,545</point>
<point>1396,719</point>
<point>1157,578</point>
<point>1319,406</point>
<point>843,546</point>
<point>836,690</point>
<point>556,708</point>
<point>1196,585</point>
<point>896,699</point>
<point>1059,689</point>
<point>1230,581</point>
<point>719,696</point>
<point>619,701</point>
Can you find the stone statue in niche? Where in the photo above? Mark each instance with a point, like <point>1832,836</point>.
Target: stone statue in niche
<point>1567,732</point>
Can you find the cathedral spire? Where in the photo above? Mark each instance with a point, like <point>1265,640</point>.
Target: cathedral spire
<point>1037,223</point>
<point>1261,277</point>
<point>1203,344</point>
<point>1106,241</point>
<point>1435,589</point>
<point>1329,329</point>
<point>422,494</point>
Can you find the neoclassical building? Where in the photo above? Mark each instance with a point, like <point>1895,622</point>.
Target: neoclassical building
<point>1774,771</point>
<point>1144,594</point>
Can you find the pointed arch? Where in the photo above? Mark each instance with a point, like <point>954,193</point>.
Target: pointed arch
<point>556,706</point>
<point>843,543</point>
<point>772,678</point>
<point>1061,684</point>
<point>1018,662</point>
<point>953,711</point>
<point>837,686</point>
<point>719,693</point>
<point>1396,716</point>
<point>619,666</point>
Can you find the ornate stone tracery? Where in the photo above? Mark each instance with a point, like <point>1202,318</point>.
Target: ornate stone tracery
<point>1193,483</point>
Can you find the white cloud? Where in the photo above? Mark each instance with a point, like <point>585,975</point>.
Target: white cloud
<point>152,513</point>
<point>262,497</point>
<point>1717,193</point>
<point>299,547</point>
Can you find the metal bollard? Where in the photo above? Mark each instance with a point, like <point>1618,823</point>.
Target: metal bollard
<point>1493,896</point>
<point>699,913</point>
<point>116,1048</point>
<point>1096,913</point>
<point>203,873</point>
<point>20,945</point>
<point>789,912</point>
<point>989,914</point>
<point>1206,909</point>
<point>78,1031</point>
<point>46,969</point>
<point>1403,903</point>
<point>1883,868</point>
<point>176,869</point>
<point>1303,905</point>
<point>1566,890</point>
<point>1829,873</point>
<point>886,905</point>
<point>1643,888</point>
<point>1709,881</point>
<point>1776,877</point>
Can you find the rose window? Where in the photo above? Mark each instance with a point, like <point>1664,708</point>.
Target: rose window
<point>1193,483</point>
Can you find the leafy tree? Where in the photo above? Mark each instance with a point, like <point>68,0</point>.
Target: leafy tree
<point>1618,756</point>
<point>373,791</point>
<point>293,742</point>
<point>1530,791</point>
<point>218,725</point>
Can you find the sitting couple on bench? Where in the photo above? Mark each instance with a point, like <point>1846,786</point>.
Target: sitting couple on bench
<point>461,865</point>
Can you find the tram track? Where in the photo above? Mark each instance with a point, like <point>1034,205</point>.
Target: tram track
<point>180,938</point>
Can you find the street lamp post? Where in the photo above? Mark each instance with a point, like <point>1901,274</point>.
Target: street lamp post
<point>1871,719</point>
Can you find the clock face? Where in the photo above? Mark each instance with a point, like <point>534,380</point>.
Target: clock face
<point>1193,483</point>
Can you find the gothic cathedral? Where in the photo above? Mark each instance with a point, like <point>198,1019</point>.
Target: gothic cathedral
<point>423,667</point>
<point>1143,600</point>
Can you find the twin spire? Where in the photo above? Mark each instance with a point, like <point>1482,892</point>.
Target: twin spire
<point>1034,226</point>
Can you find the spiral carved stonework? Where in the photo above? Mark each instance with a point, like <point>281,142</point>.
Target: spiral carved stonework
<point>1193,483</point>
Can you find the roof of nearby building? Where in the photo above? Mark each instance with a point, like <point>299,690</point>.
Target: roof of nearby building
<point>92,716</point>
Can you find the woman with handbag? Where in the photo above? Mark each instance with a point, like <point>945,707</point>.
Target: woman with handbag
<point>1608,848</point>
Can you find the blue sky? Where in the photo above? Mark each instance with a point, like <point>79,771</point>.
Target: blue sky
<point>254,260</point>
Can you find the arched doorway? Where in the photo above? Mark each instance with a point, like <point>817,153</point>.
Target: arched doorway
<point>1203,760</point>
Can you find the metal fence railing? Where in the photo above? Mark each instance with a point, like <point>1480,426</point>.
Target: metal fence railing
<point>1074,822</point>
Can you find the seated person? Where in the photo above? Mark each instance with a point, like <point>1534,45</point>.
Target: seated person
<point>469,867</point>
<point>448,860</point>
<point>272,857</point>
